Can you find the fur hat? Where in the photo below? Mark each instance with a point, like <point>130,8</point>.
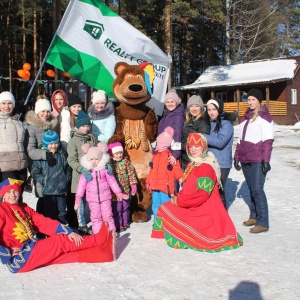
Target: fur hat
<point>195,100</point>
<point>115,147</point>
<point>73,99</point>
<point>50,137</point>
<point>42,104</point>
<point>7,96</point>
<point>218,103</point>
<point>257,94</point>
<point>10,184</point>
<point>172,95</point>
<point>98,152</point>
<point>164,140</point>
<point>99,96</point>
<point>82,119</point>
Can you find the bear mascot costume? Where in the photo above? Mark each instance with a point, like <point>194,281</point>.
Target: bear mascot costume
<point>136,127</point>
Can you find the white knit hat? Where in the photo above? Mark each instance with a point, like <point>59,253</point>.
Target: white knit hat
<point>7,96</point>
<point>99,96</point>
<point>42,104</point>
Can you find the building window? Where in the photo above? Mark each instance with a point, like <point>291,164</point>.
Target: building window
<point>243,96</point>
<point>294,96</point>
<point>222,96</point>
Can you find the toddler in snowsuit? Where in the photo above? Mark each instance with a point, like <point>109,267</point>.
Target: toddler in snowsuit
<point>162,175</point>
<point>98,193</point>
<point>124,172</point>
<point>53,179</point>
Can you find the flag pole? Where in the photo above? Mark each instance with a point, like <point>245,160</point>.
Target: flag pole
<point>63,20</point>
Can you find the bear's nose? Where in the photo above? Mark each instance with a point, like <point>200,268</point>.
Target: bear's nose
<point>135,87</point>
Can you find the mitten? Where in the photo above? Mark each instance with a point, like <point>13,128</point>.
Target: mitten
<point>265,167</point>
<point>50,159</point>
<point>122,196</point>
<point>87,175</point>
<point>109,169</point>
<point>237,165</point>
<point>133,189</point>
<point>77,203</point>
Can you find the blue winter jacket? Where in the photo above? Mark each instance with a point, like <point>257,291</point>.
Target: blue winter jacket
<point>54,180</point>
<point>220,143</point>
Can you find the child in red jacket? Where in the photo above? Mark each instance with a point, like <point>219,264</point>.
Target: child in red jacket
<point>161,178</point>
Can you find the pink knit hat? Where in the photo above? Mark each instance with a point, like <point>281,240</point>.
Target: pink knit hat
<point>115,147</point>
<point>164,140</point>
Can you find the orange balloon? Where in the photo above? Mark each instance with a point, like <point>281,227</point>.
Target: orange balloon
<point>66,74</point>
<point>21,73</point>
<point>26,77</point>
<point>27,72</point>
<point>50,73</point>
<point>27,66</point>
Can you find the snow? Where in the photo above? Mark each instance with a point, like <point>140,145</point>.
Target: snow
<point>253,72</point>
<point>266,267</point>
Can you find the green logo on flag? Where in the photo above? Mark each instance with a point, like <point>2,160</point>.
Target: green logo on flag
<point>94,29</point>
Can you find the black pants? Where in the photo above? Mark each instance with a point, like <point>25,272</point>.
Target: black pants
<point>224,176</point>
<point>55,207</point>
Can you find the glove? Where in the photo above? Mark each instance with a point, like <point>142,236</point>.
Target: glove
<point>50,159</point>
<point>133,189</point>
<point>122,196</point>
<point>109,169</point>
<point>77,203</point>
<point>237,165</point>
<point>265,167</point>
<point>147,186</point>
<point>87,175</point>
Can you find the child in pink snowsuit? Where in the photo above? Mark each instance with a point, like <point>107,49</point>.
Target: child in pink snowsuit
<point>98,194</point>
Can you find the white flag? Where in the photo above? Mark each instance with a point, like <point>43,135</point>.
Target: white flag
<point>92,38</point>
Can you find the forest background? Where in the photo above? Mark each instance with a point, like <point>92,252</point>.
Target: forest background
<point>197,34</point>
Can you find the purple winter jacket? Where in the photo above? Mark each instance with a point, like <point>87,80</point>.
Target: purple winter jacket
<point>255,138</point>
<point>174,119</point>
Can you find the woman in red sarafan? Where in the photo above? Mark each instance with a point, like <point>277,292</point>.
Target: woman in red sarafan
<point>21,252</point>
<point>196,218</point>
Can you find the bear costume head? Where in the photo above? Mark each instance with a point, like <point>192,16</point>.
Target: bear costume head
<point>133,84</point>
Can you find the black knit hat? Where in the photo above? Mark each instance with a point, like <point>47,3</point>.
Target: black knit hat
<point>73,99</point>
<point>256,93</point>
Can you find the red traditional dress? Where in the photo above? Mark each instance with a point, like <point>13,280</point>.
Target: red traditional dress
<point>17,222</point>
<point>200,221</point>
<point>197,219</point>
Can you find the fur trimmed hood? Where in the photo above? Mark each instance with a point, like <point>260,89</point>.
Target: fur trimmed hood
<point>87,164</point>
<point>32,119</point>
<point>108,110</point>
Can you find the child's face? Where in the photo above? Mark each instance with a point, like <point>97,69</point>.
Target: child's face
<point>95,161</point>
<point>53,147</point>
<point>118,156</point>
<point>84,129</point>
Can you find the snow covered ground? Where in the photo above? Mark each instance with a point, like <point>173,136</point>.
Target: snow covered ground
<point>266,267</point>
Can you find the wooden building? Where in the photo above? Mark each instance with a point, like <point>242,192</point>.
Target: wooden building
<point>278,80</point>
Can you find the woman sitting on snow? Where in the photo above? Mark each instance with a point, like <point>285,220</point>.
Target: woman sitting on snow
<point>196,217</point>
<point>21,252</point>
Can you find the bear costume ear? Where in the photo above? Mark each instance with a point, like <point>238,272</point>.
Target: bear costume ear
<point>102,147</point>
<point>120,66</point>
<point>85,147</point>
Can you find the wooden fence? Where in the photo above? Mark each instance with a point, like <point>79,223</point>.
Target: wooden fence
<point>276,108</point>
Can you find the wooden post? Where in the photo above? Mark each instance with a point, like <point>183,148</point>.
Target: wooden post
<point>268,96</point>
<point>212,94</point>
<point>238,100</point>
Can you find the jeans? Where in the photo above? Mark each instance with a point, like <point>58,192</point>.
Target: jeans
<point>224,176</point>
<point>255,180</point>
